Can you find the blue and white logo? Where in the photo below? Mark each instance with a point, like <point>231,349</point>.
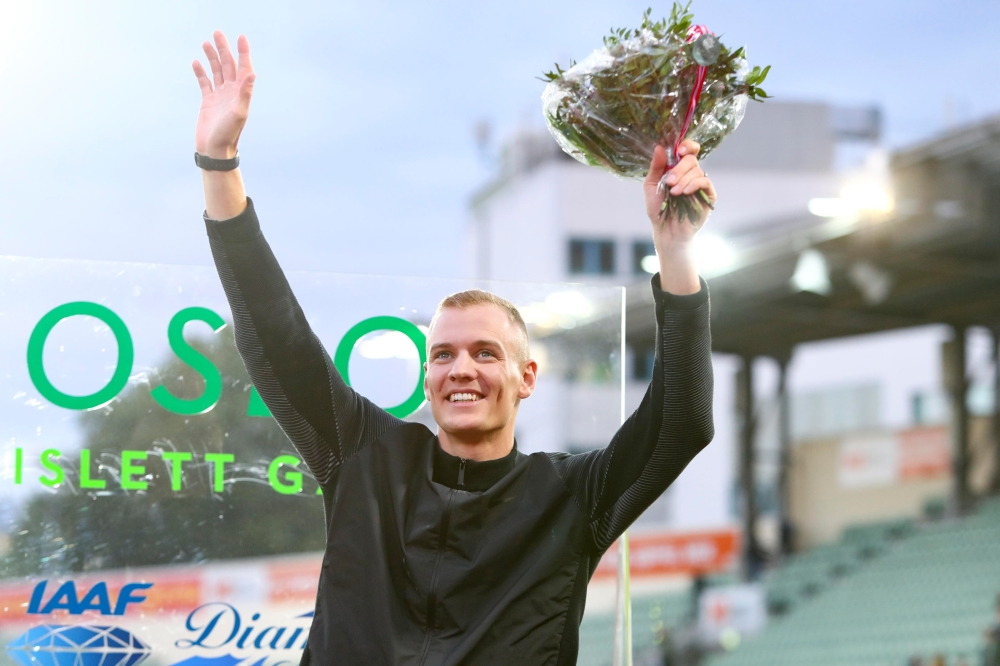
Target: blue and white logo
<point>77,645</point>
<point>96,599</point>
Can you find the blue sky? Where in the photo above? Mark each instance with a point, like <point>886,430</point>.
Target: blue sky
<point>359,151</point>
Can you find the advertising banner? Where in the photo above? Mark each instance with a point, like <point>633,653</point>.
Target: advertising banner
<point>924,453</point>
<point>868,459</point>
<point>730,613</point>
<point>662,553</point>
<point>883,459</point>
<point>150,508</point>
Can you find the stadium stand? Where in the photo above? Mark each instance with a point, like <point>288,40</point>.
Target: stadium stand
<point>806,574</point>
<point>882,594</point>
<point>650,616</point>
<point>913,590</point>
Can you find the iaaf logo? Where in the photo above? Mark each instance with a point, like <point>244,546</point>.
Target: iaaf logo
<point>96,598</point>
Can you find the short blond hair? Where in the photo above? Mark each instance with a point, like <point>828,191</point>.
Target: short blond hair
<point>473,297</point>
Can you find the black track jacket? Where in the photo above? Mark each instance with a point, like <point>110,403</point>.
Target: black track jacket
<point>430,564</point>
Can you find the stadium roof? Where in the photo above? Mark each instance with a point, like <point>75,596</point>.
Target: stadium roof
<point>934,259</point>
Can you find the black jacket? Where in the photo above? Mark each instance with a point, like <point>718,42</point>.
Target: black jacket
<point>420,568</point>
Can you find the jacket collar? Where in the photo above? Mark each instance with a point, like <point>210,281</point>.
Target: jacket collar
<point>473,476</point>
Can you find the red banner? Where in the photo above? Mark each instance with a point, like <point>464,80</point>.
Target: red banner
<point>924,453</point>
<point>675,553</point>
<point>293,579</point>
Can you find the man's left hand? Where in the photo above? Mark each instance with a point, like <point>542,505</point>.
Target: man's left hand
<point>684,179</point>
<point>672,236</point>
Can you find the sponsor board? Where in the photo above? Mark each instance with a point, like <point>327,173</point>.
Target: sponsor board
<point>731,613</point>
<point>871,460</point>
<point>286,582</point>
<point>204,633</point>
<point>248,612</point>
<point>674,553</point>
<point>210,634</point>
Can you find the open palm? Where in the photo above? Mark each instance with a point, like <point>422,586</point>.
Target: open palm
<point>225,98</point>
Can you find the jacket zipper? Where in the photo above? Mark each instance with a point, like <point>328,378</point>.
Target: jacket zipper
<point>461,471</point>
<point>431,594</point>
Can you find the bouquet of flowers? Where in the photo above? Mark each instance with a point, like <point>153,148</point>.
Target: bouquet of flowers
<point>657,85</point>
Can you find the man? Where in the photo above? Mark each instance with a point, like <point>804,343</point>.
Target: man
<point>452,548</point>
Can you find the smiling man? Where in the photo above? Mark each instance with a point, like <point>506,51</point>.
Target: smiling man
<point>452,547</point>
<point>478,371</point>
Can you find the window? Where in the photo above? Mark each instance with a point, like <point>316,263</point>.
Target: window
<point>641,250</point>
<point>592,257</point>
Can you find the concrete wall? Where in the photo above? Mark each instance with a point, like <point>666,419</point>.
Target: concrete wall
<point>821,507</point>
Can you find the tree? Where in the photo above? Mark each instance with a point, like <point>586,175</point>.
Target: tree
<point>73,529</point>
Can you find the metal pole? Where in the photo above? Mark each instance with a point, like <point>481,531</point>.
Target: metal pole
<point>623,614</point>
<point>784,457</point>
<point>956,383</point>
<point>623,611</point>
<point>995,485</point>
<point>744,405</point>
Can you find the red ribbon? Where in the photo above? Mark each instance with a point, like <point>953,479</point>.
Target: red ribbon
<point>694,32</point>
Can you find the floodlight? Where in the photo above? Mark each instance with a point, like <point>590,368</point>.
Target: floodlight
<point>874,283</point>
<point>867,196</point>
<point>812,273</point>
<point>856,197</point>
<point>824,207</point>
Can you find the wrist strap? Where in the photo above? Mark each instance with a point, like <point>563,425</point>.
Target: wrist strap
<point>212,164</point>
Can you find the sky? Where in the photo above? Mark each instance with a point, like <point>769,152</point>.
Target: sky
<point>359,153</point>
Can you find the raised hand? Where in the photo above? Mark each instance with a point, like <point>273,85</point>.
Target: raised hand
<point>672,235</point>
<point>225,98</point>
<point>685,178</point>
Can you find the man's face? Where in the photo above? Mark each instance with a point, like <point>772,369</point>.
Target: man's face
<point>474,378</point>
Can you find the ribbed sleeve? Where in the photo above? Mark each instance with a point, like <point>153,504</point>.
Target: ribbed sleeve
<point>614,485</point>
<point>325,419</point>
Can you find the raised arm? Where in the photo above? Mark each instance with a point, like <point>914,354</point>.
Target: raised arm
<point>324,418</point>
<point>674,420</point>
<point>673,236</point>
<point>225,106</point>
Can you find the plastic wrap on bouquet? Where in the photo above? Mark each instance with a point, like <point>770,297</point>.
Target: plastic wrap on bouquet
<point>657,85</point>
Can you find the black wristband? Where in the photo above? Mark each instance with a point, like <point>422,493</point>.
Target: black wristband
<point>212,164</point>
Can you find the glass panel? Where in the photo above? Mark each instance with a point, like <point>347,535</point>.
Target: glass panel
<point>149,506</point>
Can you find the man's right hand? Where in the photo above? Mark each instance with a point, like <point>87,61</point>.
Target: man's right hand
<point>224,110</point>
<point>226,105</point>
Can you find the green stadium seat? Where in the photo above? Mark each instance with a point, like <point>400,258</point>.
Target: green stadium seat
<point>885,591</point>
